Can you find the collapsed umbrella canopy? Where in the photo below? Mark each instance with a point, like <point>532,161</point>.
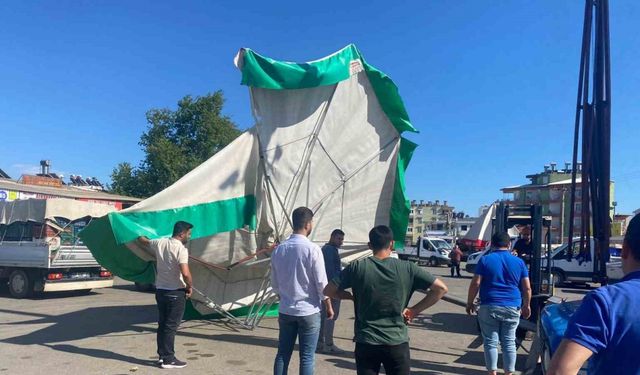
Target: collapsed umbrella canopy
<point>327,136</point>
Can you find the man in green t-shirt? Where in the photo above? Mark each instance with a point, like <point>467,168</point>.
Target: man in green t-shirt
<point>382,287</point>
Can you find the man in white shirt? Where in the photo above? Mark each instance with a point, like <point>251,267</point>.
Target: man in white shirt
<point>298,277</point>
<point>173,287</point>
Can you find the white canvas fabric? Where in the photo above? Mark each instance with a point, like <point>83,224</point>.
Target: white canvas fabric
<point>39,210</point>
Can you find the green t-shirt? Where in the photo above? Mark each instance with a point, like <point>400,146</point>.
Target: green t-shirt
<point>381,290</point>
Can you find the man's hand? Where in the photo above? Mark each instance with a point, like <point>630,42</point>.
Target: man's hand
<point>188,291</point>
<point>329,308</point>
<point>471,308</point>
<point>408,314</point>
<point>526,312</point>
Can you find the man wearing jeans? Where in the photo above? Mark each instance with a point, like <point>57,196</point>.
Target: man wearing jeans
<point>332,267</point>
<point>173,287</point>
<point>382,287</point>
<point>505,294</point>
<point>298,277</point>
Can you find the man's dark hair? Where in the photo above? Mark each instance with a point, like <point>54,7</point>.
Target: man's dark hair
<point>181,226</point>
<point>380,237</point>
<point>337,232</point>
<point>632,237</point>
<point>300,217</point>
<point>500,239</point>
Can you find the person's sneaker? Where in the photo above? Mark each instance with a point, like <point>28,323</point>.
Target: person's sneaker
<point>159,361</point>
<point>176,363</point>
<point>321,349</point>
<point>334,350</point>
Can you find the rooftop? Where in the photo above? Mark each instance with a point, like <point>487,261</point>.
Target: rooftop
<point>64,191</point>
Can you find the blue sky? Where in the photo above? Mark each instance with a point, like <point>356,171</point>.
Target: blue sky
<point>490,85</point>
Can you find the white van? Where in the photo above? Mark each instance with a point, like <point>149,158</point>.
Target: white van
<point>432,251</point>
<point>580,270</point>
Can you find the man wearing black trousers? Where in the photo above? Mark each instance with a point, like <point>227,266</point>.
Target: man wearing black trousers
<point>173,287</point>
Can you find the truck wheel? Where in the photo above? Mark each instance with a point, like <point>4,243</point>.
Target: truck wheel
<point>433,262</point>
<point>20,284</point>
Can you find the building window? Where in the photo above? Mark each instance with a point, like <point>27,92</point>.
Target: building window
<point>409,230</point>
<point>464,227</point>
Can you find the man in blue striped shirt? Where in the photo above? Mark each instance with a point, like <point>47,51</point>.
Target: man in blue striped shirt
<point>298,277</point>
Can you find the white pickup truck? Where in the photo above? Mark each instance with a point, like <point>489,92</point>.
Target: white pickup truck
<point>40,250</point>
<point>432,251</point>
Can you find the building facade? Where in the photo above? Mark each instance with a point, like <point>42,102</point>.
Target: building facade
<point>435,216</point>
<point>552,190</point>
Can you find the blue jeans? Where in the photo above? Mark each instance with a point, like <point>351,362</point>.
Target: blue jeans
<point>307,328</point>
<point>327,326</point>
<point>499,323</point>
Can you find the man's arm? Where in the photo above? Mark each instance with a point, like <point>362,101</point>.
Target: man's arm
<point>332,291</point>
<point>143,241</point>
<point>525,286</point>
<point>436,291</point>
<point>186,275</point>
<point>568,359</point>
<point>474,287</point>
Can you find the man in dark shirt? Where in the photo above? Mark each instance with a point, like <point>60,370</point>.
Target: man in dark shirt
<point>523,246</point>
<point>606,327</point>
<point>382,287</point>
<point>333,267</point>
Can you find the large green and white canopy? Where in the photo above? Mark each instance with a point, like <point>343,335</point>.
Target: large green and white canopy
<point>327,135</point>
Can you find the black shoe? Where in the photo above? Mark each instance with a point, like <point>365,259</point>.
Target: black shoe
<point>176,363</point>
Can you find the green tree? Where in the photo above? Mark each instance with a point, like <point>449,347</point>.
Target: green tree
<point>175,143</point>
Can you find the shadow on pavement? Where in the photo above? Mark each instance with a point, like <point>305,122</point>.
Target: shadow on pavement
<point>77,325</point>
<point>103,354</point>
<point>447,322</point>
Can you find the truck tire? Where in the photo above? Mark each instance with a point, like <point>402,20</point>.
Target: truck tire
<point>20,284</point>
<point>433,262</point>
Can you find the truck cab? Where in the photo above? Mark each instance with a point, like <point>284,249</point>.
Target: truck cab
<point>431,251</point>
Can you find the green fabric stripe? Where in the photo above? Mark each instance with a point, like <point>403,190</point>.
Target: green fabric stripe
<point>190,312</point>
<point>267,73</point>
<point>106,236</point>
<point>389,99</point>
<point>98,237</point>
<point>400,205</point>
<point>207,219</point>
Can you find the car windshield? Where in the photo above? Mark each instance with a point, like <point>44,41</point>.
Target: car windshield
<point>441,244</point>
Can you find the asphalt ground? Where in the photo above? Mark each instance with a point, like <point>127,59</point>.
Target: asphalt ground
<point>112,331</point>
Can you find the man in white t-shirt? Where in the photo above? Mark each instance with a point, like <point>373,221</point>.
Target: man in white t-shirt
<point>173,287</point>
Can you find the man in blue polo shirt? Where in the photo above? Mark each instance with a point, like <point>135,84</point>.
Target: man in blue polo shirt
<point>606,326</point>
<point>505,294</point>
